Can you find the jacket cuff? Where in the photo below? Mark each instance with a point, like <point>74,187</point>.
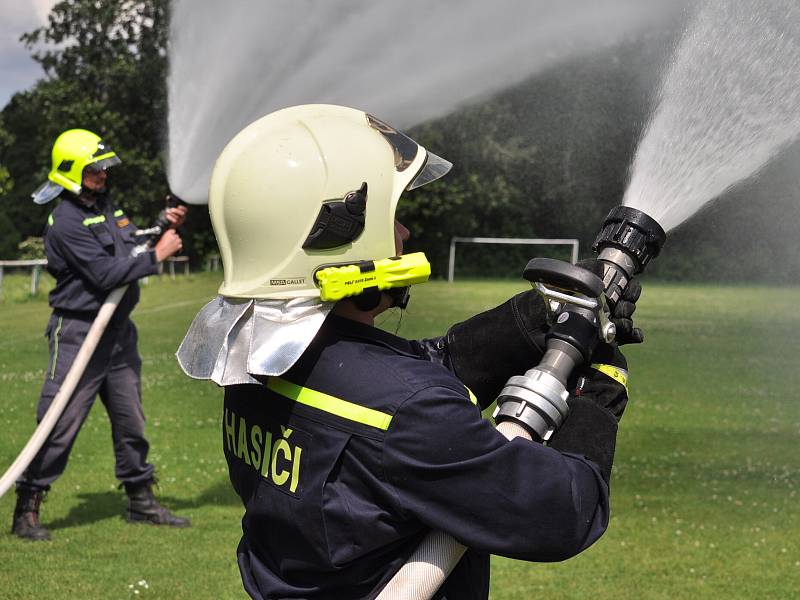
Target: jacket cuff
<point>153,262</point>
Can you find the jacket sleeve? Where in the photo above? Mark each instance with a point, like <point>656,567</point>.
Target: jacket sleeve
<point>84,251</point>
<point>455,472</point>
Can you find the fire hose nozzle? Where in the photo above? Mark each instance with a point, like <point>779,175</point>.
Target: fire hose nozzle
<point>160,226</point>
<point>578,308</point>
<point>173,200</point>
<point>631,231</point>
<point>162,223</point>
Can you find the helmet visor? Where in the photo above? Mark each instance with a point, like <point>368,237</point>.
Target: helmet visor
<point>103,163</point>
<point>405,151</point>
<point>434,168</point>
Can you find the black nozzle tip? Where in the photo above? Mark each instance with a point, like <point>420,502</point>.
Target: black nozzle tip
<point>634,232</point>
<point>173,200</point>
<point>641,221</point>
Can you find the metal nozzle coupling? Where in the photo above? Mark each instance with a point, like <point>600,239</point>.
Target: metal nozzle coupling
<point>538,399</point>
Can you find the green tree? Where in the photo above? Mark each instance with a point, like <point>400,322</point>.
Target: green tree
<point>6,143</point>
<point>105,67</point>
<point>31,248</point>
<point>8,232</point>
<point>8,238</point>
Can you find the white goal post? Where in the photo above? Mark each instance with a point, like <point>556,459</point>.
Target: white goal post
<point>489,240</point>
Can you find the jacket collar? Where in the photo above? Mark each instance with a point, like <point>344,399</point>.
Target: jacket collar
<point>343,327</point>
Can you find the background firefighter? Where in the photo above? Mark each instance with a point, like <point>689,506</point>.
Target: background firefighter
<point>348,444</point>
<point>89,242</point>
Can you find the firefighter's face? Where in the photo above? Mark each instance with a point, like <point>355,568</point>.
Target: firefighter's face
<point>94,179</point>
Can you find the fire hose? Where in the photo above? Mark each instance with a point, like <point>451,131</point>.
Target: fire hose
<point>81,361</point>
<point>534,405</point>
<point>65,391</point>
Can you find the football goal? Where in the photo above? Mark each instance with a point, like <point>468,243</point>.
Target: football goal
<point>451,267</point>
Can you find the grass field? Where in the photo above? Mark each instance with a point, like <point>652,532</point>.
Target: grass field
<point>705,484</point>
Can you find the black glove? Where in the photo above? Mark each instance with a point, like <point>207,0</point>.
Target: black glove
<point>595,408</point>
<point>589,431</point>
<point>487,349</point>
<point>604,380</point>
<point>622,311</point>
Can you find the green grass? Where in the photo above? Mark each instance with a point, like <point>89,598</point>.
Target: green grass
<point>15,286</point>
<point>705,486</point>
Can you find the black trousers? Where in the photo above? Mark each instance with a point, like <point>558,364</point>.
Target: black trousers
<point>113,373</point>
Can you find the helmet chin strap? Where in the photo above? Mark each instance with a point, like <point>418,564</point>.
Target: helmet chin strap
<point>371,298</point>
<point>368,300</point>
<point>400,296</point>
<point>89,197</point>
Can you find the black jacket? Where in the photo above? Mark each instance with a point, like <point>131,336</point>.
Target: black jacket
<point>349,459</point>
<point>89,254</point>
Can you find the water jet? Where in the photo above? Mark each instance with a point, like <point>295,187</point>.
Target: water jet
<point>729,103</point>
<point>409,62</point>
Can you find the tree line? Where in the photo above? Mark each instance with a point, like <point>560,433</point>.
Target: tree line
<point>547,158</point>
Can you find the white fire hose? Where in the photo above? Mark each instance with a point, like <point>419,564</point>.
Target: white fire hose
<point>437,555</point>
<point>65,391</point>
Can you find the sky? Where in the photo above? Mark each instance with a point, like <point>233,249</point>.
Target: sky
<point>17,70</point>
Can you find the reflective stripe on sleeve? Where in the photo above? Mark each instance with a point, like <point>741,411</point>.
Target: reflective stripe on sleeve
<point>118,213</point>
<point>472,397</point>
<point>617,374</point>
<point>330,404</point>
<point>94,220</point>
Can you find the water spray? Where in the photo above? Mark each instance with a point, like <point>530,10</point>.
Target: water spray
<point>319,56</point>
<point>578,303</point>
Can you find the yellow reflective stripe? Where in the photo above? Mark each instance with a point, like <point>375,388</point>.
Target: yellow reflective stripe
<point>119,213</point>
<point>472,397</point>
<point>94,220</point>
<point>617,374</point>
<point>50,219</point>
<point>330,404</point>
<point>55,349</point>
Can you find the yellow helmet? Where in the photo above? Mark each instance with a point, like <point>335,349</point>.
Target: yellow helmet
<point>73,151</point>
<point>308,189</point>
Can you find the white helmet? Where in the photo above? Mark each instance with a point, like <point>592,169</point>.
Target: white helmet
<point>308,187</point>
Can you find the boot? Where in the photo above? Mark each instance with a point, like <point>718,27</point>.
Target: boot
<point>144,508</point>
<point>26,516</point>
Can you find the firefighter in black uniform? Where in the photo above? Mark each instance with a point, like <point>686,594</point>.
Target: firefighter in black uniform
<point>348,444</point>
<point>90,245</point>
